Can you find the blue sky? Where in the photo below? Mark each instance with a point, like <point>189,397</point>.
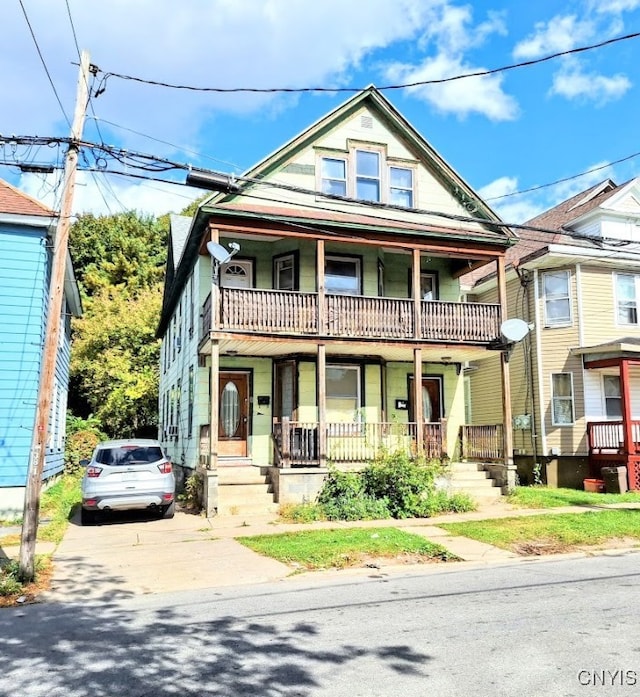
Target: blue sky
<point>503,133</point>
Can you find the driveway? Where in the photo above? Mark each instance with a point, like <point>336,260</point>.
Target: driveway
<point>134,554</point>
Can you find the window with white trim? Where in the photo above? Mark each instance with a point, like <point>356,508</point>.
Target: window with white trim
<point>334,176</point>
<point>401,186</point>
<point>612,396</point>
<point>562,399</point>
<point>343,393</point>
<point>557,297</point>
<point>627,297</point>
<point>368,184</point>
<point>343,275</point>
<point>284,272</point>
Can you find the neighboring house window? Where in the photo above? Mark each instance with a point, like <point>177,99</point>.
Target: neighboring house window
<point>343,275</point>
<point>627,298</point>
<point>562,399</point>
<point>191,306</point>
<point>285,272</point>
<point>612,396</point>
<point>334,176</point>
<point>178,402</point>
<point>401,186</point>
<point>190,412</point>
<point>343,393</point>
<point>368,185</point>
<point>557,298</point>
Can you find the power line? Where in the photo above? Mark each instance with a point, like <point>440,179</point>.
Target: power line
<point>420,83</point>
<point>44,64</point>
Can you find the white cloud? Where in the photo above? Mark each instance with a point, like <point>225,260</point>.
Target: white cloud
<point>557,35</point>
<point>614,6</point>
<point>572,83</point>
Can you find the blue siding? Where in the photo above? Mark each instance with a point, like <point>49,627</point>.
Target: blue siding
<point>24,279</point>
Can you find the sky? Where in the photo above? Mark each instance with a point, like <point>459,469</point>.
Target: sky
<point>503,133</point>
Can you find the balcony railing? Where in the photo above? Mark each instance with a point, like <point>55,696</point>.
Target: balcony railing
<point>293,313</point>
<point>296,443</point>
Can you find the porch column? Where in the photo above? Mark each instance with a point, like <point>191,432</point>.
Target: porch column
<point>417,299</point>
<point>322,404</point>
<point>510,471</point>
<point>627,426</point>
<point>215,356</point>
<point>322,313</point>
<point>418,414</point>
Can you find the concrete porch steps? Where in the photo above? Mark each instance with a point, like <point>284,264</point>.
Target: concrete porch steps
<point>472,478</point>
<point>244,490</point>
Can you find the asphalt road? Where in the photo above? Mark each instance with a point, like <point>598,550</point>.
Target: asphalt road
<point>559,627</point>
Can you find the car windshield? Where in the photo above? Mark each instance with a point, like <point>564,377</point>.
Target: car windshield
<point>128,455</point>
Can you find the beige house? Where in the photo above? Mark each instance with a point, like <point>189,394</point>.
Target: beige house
<point>575,378</point>
<point>313,314</point>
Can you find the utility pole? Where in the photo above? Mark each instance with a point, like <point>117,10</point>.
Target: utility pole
<point>52,333</point>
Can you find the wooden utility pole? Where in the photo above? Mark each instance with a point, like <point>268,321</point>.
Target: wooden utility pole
<point>52,333</point>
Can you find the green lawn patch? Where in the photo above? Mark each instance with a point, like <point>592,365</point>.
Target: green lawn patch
<point>323,549</point>
<point>553,533</point>
<point>545,497</point>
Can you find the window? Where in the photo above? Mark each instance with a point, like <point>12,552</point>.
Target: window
<point>334,176</point>
<point>342,275</point>
<point>285,272</point>
<point>557,300</point>
<point>562,399</point>
<point>367,175</point>
<point>190,412</point>
<point>401,186</point>
<point>612,396</point>
<point>428,286</point>
<point>627,298</point>
<point>285,390</point>
<point>343,393</point>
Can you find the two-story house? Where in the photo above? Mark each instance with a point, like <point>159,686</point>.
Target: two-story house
<point>575,277</point>
<point>312,312</point>
<point>27,232</point>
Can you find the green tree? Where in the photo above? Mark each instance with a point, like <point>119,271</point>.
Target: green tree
<point>115,358</point>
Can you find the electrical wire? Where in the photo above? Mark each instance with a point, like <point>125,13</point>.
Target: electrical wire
<point>420,83</point>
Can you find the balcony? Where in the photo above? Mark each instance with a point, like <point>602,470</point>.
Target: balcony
<point>288,313</point>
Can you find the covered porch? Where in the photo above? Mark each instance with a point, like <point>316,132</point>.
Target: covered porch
<point>616,440</point>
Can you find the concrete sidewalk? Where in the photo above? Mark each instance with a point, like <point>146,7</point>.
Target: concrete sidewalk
<point>132,556</point>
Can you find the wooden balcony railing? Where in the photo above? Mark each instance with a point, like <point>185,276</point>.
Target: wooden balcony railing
<point>296,443</point>
<point>606,438</point>
<point>346,316</point>
<point>482,442</point>
<point>205,318</point>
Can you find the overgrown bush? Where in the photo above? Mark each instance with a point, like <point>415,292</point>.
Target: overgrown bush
<point>343,497</point>
<point>192,495</point>
<point>302,512</point>
<point>82,437</point>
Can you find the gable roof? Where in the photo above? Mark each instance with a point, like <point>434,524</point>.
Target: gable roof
<point>16,202</point>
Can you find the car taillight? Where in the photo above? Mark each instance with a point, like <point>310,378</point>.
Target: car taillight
<point>167,497</point>
<point>165,467</point>
<point>94,471</point>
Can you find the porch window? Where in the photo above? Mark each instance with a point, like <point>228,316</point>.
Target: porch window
<point>401,186</point>
<point>343,393</point>
<point>627,298</point>
<point>343,275</point>
<point>285,390</point>
<point>334,176</point>
<point>190,407</point>
<point>285,272</point>
<point>368,175</point>
<point>612,396</point>
<point>562,399</point>
<point>557,298</point>
<point>428,286</point>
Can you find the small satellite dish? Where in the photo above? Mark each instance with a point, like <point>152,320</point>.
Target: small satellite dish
<point>514,329</point>
<point>221,254</point>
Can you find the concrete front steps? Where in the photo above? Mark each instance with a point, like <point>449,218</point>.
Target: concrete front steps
<point>244,489</point>
<point>473,479</point>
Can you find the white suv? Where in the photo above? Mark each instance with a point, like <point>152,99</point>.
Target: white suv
<point>127,475</point>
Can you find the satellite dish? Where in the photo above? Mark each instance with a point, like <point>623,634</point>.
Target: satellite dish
<point>514,329</point>
<point>222,254</point>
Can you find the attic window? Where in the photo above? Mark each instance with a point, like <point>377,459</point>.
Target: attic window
<point>366,121</point>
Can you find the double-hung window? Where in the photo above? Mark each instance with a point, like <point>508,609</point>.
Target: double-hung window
<point>557,298</point>
<point>343,275</point>
<point>627,298</point>
<point>343,393</point>
<point>401,186</point>
<point>612,396</point>
<point>285,272</point>
<point>562,399</point>
<point>368,185</point>
<point>334,176</point>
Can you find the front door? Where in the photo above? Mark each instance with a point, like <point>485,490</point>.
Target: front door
<point>233,418</point>
<point>431,400</point>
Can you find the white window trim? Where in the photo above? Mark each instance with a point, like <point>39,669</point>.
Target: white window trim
<point>604,396</point>
<point>345,257</point>
<point>277,262</point>
<point>357,420</point>
<point>320,178</point>
<point>559,322</point>
<point>394,165</point>
<point>573,399</point>
<point>636,279</point>
<point>353,159</point>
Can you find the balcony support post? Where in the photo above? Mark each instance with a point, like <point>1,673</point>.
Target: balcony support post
<point>322,404</point>
<point>418,412</point>
<point>320,283</point>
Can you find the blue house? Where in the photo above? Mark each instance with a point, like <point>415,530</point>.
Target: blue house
<point>27,233</point>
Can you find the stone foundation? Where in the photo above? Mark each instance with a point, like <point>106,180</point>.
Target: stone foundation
<point>292,485</point>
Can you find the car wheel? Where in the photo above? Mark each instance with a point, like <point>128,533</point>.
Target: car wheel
<point>169,511</point>
<point>87,517</point>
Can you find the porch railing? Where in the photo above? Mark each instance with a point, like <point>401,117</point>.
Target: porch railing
<point>292,312</point>
<point>296,443</point>
<point>482,442</point>
<point>607,438</point>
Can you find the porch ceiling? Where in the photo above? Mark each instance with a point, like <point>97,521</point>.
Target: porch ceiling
<point>432,353</point>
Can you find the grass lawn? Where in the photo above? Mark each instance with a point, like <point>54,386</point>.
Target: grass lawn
<point>323,549</point>
<point>553,533</point>
<point>545,497</point>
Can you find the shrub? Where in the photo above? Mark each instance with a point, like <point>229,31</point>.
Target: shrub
<point>82,437</point>
<point>192,496</point>
<point>9,578</point>
<point>343,497</point>
<point>302,512</point>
